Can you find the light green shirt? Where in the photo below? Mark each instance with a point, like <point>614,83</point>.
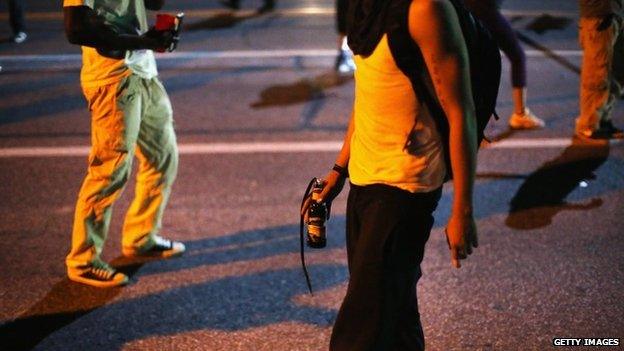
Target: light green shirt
<point>125,17</point>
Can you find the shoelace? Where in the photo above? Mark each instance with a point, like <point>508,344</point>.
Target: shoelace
<point>103,272</point>
<point>162,242</point>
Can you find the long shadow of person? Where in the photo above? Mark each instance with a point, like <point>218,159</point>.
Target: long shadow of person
<point>266,293</point>
<point>230,304</point>
<point>543,193</point>
<point>308,90</point>
<point>546,22</point>
<point>66,302</point>
<point>304,90</point>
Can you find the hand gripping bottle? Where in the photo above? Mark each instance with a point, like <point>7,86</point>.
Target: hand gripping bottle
<point>317,215</point>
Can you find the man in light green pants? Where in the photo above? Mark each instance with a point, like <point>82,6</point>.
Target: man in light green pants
<point>131,117</point>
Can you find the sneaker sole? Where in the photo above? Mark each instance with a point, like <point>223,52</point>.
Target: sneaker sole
<point>98,284</point>
<point>161,254</point>
<point>525,126</point>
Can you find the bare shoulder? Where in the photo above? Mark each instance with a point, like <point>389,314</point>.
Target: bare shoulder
<point>426,17</point>
<point>422,9</point>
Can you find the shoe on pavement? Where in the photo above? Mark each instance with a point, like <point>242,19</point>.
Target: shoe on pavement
<point>605,131</point>
<point>99,275</point>
<point>20,37</point>
<point>344,62</point>
<point>526,120</point>
<point>161,248</point>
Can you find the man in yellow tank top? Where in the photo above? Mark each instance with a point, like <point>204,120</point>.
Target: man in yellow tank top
<point>394,160</point>
<point>131,117</point>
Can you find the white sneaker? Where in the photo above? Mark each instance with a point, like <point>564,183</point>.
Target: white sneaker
<point>160,248</point>
<point>526,120</point>
<point>20,37</point>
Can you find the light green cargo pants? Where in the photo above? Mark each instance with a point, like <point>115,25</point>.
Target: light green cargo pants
<point>130,118</point>
<point>602,74</point>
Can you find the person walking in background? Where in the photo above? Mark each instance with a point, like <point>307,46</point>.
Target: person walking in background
<point>344,60</point>
<point>17,21</point>
<point>601,33</point>
<point>268,5</point>
<point>130,116</point>
<point>488,12</point>
<point>394,188</point>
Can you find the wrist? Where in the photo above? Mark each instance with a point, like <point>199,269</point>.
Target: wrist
<point>342,171</point>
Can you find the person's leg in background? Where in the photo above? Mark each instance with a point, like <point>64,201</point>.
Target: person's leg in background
<point>601,76</point>
<point>115,122</point>
<point>487,11</point>
<point>17,20</point>
<point>157,153</point>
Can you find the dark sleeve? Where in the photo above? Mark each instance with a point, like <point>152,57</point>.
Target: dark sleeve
<point>154,5</point>
<point>83,26</point>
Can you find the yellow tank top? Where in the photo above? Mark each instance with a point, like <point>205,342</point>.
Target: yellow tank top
<point>395,141</point>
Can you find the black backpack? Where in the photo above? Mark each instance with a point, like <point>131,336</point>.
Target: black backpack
<point>485,68</point>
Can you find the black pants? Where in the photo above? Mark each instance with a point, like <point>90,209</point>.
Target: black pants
<point>387,229</point>
<point>16,16</point>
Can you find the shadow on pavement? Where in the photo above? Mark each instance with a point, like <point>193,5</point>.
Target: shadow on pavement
<point>45,108</point>
<point>545,23</point>
<point>65,303</point>
<point>54,104</point>
<point>543,193</point>
<point>244,246</point>
<point>61,319</point>
<point>300,91</point>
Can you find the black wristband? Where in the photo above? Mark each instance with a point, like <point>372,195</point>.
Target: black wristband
<point>341,170</point>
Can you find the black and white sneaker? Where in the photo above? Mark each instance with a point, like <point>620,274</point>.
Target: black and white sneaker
<point>605,131</point>
<point>160,248</point>
<point>20,37</point>
<point>100,275</point>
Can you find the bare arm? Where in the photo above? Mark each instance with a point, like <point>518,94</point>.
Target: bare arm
<point>334,181</point>
<point>435,28</point>
<point>343,157</point>
<point>83,26</point>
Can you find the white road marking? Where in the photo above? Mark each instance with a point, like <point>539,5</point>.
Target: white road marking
<point>239,54</point>
<point>264,147</point>
<point>293,12</point>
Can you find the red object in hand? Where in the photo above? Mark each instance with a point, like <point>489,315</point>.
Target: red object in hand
<point>165,22</point>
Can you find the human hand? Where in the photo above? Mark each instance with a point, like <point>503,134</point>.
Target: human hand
<point>158,40</point>
<point>332,186</point>
<point>461,236</point>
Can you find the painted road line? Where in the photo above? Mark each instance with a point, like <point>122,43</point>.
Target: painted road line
<point>266,147</point>
<point>285,59</point>
<point>240,54</point>
<point>293,12</point>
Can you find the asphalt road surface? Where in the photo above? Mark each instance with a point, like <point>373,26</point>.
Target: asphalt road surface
<point>258,113</point>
